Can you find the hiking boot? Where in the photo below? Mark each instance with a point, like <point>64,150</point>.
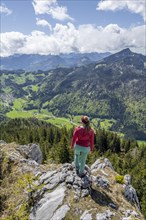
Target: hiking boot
<point>82,175</point>
<point>77,171</point>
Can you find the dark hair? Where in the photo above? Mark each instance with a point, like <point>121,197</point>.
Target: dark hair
<point>86,121</point>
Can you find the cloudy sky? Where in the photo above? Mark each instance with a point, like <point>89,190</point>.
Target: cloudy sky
<point>56,26</point>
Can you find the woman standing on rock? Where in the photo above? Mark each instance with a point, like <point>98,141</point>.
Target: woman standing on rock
<point>83,143</point>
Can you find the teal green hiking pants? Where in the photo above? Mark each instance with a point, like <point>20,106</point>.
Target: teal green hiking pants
<point>80,156</point>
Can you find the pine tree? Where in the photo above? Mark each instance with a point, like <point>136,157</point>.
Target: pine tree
<point>64,154</point>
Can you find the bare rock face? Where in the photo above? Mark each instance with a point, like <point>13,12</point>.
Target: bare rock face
<point>31,151</point>
<point>127,179</point>
<point>98,164</point>
<point>131,195</point>
<point>48,204</point>
<point>86,216</point>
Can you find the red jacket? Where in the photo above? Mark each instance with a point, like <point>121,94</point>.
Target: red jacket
<point>83,138</point>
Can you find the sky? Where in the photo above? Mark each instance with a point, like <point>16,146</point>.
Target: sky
<point>65,26</point>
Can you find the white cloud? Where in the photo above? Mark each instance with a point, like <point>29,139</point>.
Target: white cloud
<point>5,10</point>
<point>52,8</point>
<point>135,6</point>
<point>43,23</point>
<point>68,38</point>
<point>11,42</point>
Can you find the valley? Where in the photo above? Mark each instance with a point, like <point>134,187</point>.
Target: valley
<point>110,91</point>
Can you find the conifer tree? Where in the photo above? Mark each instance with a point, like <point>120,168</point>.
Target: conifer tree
<point>64,155</point>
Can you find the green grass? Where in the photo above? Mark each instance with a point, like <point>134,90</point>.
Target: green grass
<point>106,124</point>
<point>7,90</point>
<point>45,104</point>
<point>59,122</point>
<point>45,112</point>
<point>18,103</point>
<point>30,77</point>
<point>103,123</point>
<point>77,119</point>
<point>141,143</point>
<point>25,88</point>
<point>19,114</point>
<point>20,79</point>
<point>35,88</point>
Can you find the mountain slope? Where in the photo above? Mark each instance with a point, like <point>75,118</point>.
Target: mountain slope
<point>112,88</point>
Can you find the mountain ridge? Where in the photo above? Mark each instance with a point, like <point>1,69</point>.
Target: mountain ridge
<point>34,62</point>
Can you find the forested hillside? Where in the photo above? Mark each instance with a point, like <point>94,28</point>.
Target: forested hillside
<point>112,89</point>
<point>125,154</point>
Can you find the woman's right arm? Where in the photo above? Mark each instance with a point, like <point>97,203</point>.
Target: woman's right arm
<point>92,141</point>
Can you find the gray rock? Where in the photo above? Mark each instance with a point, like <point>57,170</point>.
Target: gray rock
<point>126,218</point>
<point>86,216</point>
<point>75,187</point>
<point>46,176</point>
<point>112,205</point>
<point>108,163</point>
<point>102,182</point>
<point>2,142</point>
<point>69,186</point>
<point>63,177</point>
<point>95,164</point>
<point>87,168</point>
<point>32,163</point>
<point>78,192</point>
<point>99,165</point>
<point>76,198</point>
<point>14,156</point>
<point>61,212</point>
<point>48,204</point>
<point>109,213</point>
<point>69,179</point>
<point>77,181</point>
<point>131,195</point>
<point>101,216</point>
<point>85,192</point>
<point>85,182</point>
<point>127,179</point>
<point>31,151</point>
<point>54,179</point>
<point>105,216</point>
<point>77,211</point>
<point>132,213</point>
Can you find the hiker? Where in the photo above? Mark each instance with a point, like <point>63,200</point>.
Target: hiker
<point>83,143</point>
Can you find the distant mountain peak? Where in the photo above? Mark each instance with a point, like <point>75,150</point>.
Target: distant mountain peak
<point>123,55</point>
<point>126,50</point>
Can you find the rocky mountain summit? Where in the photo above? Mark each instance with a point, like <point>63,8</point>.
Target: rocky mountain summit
<point>55,192</point>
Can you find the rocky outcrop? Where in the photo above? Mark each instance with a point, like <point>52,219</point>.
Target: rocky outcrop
<point>97,185</point>
<point>31,151</point>
<point>59,193</point>
<point>48,204</point>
